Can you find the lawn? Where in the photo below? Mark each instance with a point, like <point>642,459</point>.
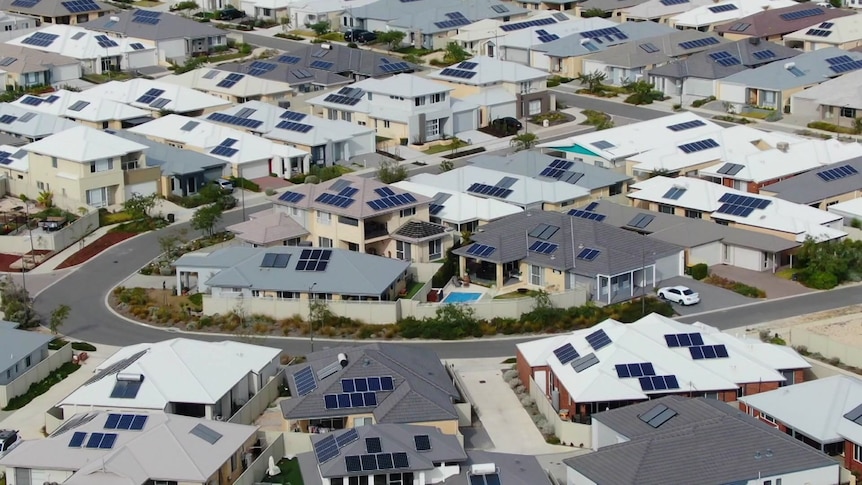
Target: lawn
<point>413,289</point>
<point>786,273</point>
<point>147,3</point>
<point>289,473</point>
<point>103,78</point>
<point>514,294</point>
<point>445,147</point>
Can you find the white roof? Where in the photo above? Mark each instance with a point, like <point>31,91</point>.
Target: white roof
<point>87,107</point>
<point>526,38</point>
<point>851,208</point>
<point>526,191</point>
<point>703,195</point>
<point>177,370</point>
<point>80,43</point>
<point>459,208</point>
<point>312,6</point>
<point>643,341</point>
<point>842,30</point>
<point>208,79</point>
<point>844,90</point>
<point>83,144</point>
<point>702,16</point>
<point>490,70</point>
<point>20,159</point>
<point>180,99</point>
<point>206,136</point>
<point>489,29</point>
<point>656,8</point>
<point>815,408</point>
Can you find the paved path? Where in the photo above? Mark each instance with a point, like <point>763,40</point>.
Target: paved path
<point>774,286</point>
<point>712,298</point>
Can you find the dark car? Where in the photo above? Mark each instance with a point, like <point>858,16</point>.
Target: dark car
<point>231,13</point>
<point>359,36</point>
<point>506,125</point>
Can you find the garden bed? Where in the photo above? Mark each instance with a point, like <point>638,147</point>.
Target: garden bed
<point>735,286</point>
<point>96,247</point>
<point>465,153</point>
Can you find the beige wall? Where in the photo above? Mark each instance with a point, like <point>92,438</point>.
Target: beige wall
<point>226,475</point>
<point>824,203</point>
<point>38,372</point>
<point>680,211</point>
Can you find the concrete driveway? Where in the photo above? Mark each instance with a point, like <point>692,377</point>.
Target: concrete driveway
<point>774,286</point>
<point>711,297</point>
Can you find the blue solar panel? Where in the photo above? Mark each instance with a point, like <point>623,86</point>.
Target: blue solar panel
<point>288,59</point>
<point>839,60</point>
<point>105,41</point>
<point>764,54</point>
<point>80,6</point>
<point>293,126</point>
<point>230,80</point>
<point>291,197</point>
<point>25,3</point>
<point>435,209</point>
<point>588,254</point>
<point>566,354</point>
<point>582,214</point>
<point>387,384</point>
<point>658,383</point>
<point>725,58</point>
<point>699,145</point>
<point>347,437</point>
<point>490,190</point>
<point>32,101</point>
<point>293,116</point>
<point>723,8</point>
<point>673,2</point>
<point>634,370</point>
<point>234,120</point>
<point>305,381</point>
<point>326,449</point>
<point>837,173</point>
<point>527,24</point>
<point>686,126</point>
<point>467,65</point>
<point>77,439</point>
<point>322,65</point>
<point>150,96</point>
<point>801,14</point>
<point>542,247</point>
<point>846,67</point>
<point>598,339</point>
<point>683,339</point>
<point>459,73</point>
<point>607,32</point>
<point>708,352</point>
<point>480,250</point>
<point>40,39</point>
<point>699,43</point>
<point>347,385</point>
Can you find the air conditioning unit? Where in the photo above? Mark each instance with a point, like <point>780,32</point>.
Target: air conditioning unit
<point>783,146</point>
<point>585,41</point>
<point>326,46</point>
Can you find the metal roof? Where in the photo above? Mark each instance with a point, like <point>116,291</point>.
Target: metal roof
<point>16,344</point>
<point>169,26</point>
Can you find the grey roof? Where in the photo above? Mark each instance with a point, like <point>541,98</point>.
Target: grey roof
<point>688,232</point>
<point>169,26</point>
<point>512,469</point>
<point>531,163</point>
<point>423,389</point>
<point>777,76</point>
<point>172,160</point>
<point>394,438</point>
<point>416,230</point>
<point>48,8</point>
<point>417,14</point>
<point>348,272</point>
<point>570,45</point>
<point>37,127</point>
<point>673,452</point>
<point>607,5</point>
<point>770,22</point>
<point>701,65</point>
<point>620,250</point>
<point>631,54</point>
<point>26,60</point>
<point>808,188</point>
<point>17,344</point>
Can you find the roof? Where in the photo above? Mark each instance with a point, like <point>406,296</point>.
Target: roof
<point>492,29</point>
<point>175,370</point>
<point>844,90</point>
<point>172,160</point>
<point>531,163</point>
<point>23,60</point>
<point>348,272</point>
<point>86,106</point>
<point>267,227</point>
<point>643,341</point>
<point>654,9</point>
<point>48,8</point>
<point>165,449</point>
<point>779,21</point>
<point>490,70</point>
<point>656,50</point>
<point>458,208</point>
<point>707,65</point>
<point>837,31</point>
<point>722,12</point>
<point>512,469</point>
<point>419,14</point>
<point>811,67</point>
<point>165,26</point>
<point>619,250</point>
<point>833,397</point>
<point>83,144</point>
<point>668,454</point>
<point>532,39</point>
<point>422,389</point>
<point>605,5</point>
<point>208,80</point>
<point>82,44</point>
<point>703,195</point>
<point>35,127</point>
<point>17,344</point>
<point>18,159</point>
<point>174,98</point>
<point>313,6</point>
<point>575,45</point>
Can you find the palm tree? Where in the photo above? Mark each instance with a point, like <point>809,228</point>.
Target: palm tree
<point>592,80</point>
<point>524,141</point>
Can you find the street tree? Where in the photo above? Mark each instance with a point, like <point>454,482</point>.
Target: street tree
<point>524,141</point>
<point>138,206</point>
<point>320,28</point>
<point>455,53</point>
<point>392,38</point>
<point>390,171</point>
<point>58,318</point>
<point>206,218</point>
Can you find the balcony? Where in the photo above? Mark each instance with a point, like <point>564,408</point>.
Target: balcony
<point>374,230</point>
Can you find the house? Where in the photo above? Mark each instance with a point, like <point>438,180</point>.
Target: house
<point>401,107</point>
<point>55,12</point>
<point>517,90</point>
<point>601,183</point>
<point>268,228</point>
<point>666,434</point>
<point>615,365</point>
<point>556,252</point>
<point>841,32</point>
<point>175,37</point>
<point>29,126</point>
<point>159,97</point>
<point>90,166</point>
<point>210,380</point>
<point>835,100</point>
<point>27,68</point>
<point>696,76</point>
<point>658,11</point>
<point>520,191</point>
<point>483,37</point>
<point>702,199</point>
<point>249,156</point>
<point>400,384</point>
<point>364,215</point>
<point>774,23</point>
<point>20,351</point>
<point>611,9</point>
<point>248,88</point>
<point>822,187</point>
<point>97,53</point>
<point>18,163</point>
<point>328,141</point>
<point>11,22</point>
<point>850,210</point>
<point>88,110</point>
<point>704,242</point>
<point>302,12</point>
<point>528,45</point>
<point>458,211</point>
<point>706,17</point>
<point>772,86</point>
<point>133,447</point>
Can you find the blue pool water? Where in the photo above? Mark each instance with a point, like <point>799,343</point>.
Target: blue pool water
<point>462,297</point>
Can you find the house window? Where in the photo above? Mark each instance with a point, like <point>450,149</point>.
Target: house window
<point>401,250</point>
<point>101,166</point>
<point>386,123</point>
<point>286,295</point>
<point>419,101</point>
<point>348,221</point>
<point>40,185</point>
<point>255,293</point>
<point>537,276</point>
<point>363,480</point>
<point>767,417</point>
<point>353,247</point>
<point>332,114</point>
<point>370,97</point>
<point>693,214</point>
<point>27,361</point>
<point>337,480</point>
<point>408,212</point>
<point>233,463</point>
<point>347,116</point>
<point>535,107</point>
<point>615,189</point>
<point>435,249</point>
<point>857,453</point>
<point>524,87</point>
<point>848,112</point>
<point>324,242</point>
<point>767,482</point>
<point>54,162</point>
<point>97,197</point>
<point>721,222</point>
<point>432,128</point>
<point>666,209</point>
<point>324,217</point>
<point>438,98</point>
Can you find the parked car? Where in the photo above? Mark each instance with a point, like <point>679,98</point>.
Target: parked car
<point>8,440</point>
<point>230,13</point>
<point>679,294</point>
<point>506,125</point>
<point>225,185</point>
<point>359,36</point>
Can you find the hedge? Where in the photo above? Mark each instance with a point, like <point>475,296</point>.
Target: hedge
<point>699,271</point>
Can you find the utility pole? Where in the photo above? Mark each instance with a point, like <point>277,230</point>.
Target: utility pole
<point>310,316</point>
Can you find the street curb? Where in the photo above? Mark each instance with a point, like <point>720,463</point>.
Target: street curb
<point>754,303</point>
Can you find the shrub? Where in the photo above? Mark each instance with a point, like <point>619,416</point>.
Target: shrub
<point>57,344</point>
<point>197,299</point>
<point>822,125</point>
<point>856,223</point>
<point>699,271</point>
<point>246,184</point>
<point>269,191</point>
<point>83,347</point>
<point>700,102</point>
<point>820,280</point>
<point>735,286</point>
<point>132,296</point>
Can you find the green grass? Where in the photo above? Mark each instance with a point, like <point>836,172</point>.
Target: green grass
<point>381,139</point>
<point>510,360</point>
<point>147,3</point>
<point>413,289</point>
<point>445,147</point>
<point>514,294</point>
<point>786,273</point>
<point>415,51</point>
<point>289,473</point>
<point>103,78</point>
<point>109,218</point>
<point>38,388</point>
<point>228,57</point>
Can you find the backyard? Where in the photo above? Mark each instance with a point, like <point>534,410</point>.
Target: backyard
<point>290,473</point>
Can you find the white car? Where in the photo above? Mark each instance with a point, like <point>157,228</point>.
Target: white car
<point>679,294</point>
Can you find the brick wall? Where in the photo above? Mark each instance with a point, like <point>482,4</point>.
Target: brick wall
<point>849,462</point>
<point>758,387</point>
<point>524,370</point>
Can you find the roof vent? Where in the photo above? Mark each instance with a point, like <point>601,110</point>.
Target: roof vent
<point>342,359</point>
<point>754,40</point>
<point>790,65</point>
<point>483,468</point>
<point>130,376</point>
<point>585,41</point>
<point>115,19</point>
<point>783,146</point>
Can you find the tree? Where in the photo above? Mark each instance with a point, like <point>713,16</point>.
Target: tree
<point>185,5</point>
<point>392,38</point>
<point>205,218</point>
<point>45,199</point>
<point>593,12</point>
<point>139,206</point>
<point>455,53</point>
<point>524,141</point>
<point>168,242</point>
<point>58,317</point>
<point>836,3</point>
<point>642,92</point>
<point>285,23</point>
<point>857,126</point>
<point>446,165</point>
<point>320,28</point>
<point>390,171</point>
<point>16,305</point>
<point>413,59</point>
<point>592,80</point>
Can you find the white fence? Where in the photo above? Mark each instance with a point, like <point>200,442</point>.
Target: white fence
<point>260,401</point>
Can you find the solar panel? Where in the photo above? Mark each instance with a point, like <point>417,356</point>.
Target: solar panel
<point>293,126</point>
<point>527,24</point>
<point>708,352</point>
<point>499,8</point>
<point>602,144</point>
<point>387,384</point>
<point>25,3</point>
<point>467,65</point>
<point>304,380</point>
<point>801,14</point>
<point>846,67</point>
<point>764,54</point>
<point>542,247</point>
<point>724,58</point>
<point>583,363</point>
<point>489,190</point>
<point>369,462</point>
<point>698,146</point>
<point>126,389</point>
<point>606,32</point>
<point>855,415</point>
<point>326,449</point>
<point>347,437</point>
<point>230,80</point>
<point>372,445</point>
<point>353,463</point>
<point>649,47</point>
<point>480,250</point>
<point>313,260</point>
<point>291,197</point>
<point>723,8</point>
<point>32,101</point>
<point>739,27</point>
<point>692,44</point>
<point>105,41</point>
<point>588,254</point>
<point>686,126</point>
<point>288,59</point>
<point>837,173</point>
<point>641,221</point>
<point>598,339</point>
<point>658,383</point>
<point>634,370</point>
<point>80,6</point>
<point>422,442</point>
<point>730,168</point>
<point>400,460</point>
<point>586,215</point>
<point>459,73</point>
<point>77,437</point>
<point>673,2</point>
<point>40,39</point>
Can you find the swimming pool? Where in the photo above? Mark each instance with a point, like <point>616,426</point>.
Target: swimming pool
<point>462,297</point>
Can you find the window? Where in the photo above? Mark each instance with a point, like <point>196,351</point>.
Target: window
<point>666,209</point>
<point>348,221</point>
<point>767,482</point>
<point>693,214</point>
<point>370,97</point>
<point>347,116</point>
<point>402,250</point>
<point>40,185</point>
<point>438,98</point>
<point>524,87</point>
<point>721,222</point>
<point>97,197</point>
<point>101,166</point>
<point>337,480</point>
<point>386,123</point>
<point>324,242</point>
<point>82,18</point>
<point>324,217</point>
<point>537,277</point>
<point>233,462</point>
<point>432,128</point>
<point>255,293</point>
<point>419,101</point>
<point>535,107</point>
<point>54,162</point>
<point>767,417</point>
<point>408,212</point>
<point>435,249</point>
<point>332,114</point>
<point>27,361</point>
<point>286,295</point>
<point>848,112</point>
<point>353,247</point>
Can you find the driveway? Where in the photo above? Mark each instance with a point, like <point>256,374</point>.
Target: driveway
<point>711,297</point>
<point>774,286</point>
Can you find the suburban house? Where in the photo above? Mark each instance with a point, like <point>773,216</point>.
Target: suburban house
<point>18,164</point>
<point>11,22</point>
<point>378,383</point>
<point>28,126</point>
<point>96,53</point>
<point>54,12</point>
<point>704,242</point>
<point>302,12</point>
<point>159,97</point>
<point>90,166</point>
<point>249,156</point>
<point>836,433</point>
<point>556,252</point>
<point>849,210</point>
<point>175,37</point>
<point>268,228</point>
<point>27,68</point>
<point>328,142</point>
<point>500,88</point>
<point>660,11</point>
<point>364,215</point>
<point>482,38</point>
<point>625,63</point>
<point>666,433</point>
<point>210,380</point>
<point>82,107</point>
<point>521,191</point>
<point>823,187</point>
<point>835,101</point>
<point>613,365</point>
<point>696,76</point>
<point>773,85</point>
<point>133,447</point>
<point>528,45</point>
<point>247,88</point>
<point>706,18</point>
<point>773,24</point>
<point>401,107</point>
<point>612,9</point>
<point>841,32</point>
<point>702,199</point>
<point>20,350</point>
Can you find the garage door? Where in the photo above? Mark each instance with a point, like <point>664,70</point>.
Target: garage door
<point>465,121</point>
<point>255,170</point>
<point>501,111</point>
<point>143,188</point>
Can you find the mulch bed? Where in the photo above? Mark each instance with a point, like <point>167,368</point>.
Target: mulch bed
<point>8,259</point>
<point>95,248</point>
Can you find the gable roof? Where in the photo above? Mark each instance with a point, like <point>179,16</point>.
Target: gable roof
<point>49,8</point>
<point>813,66</point>
<point>172,160</point>
<point>531,39</point>
<point>837,31</point>
<point>810,187</point>
<point>584,43</point>
<point>491,71</point>
<point>656,50</point>
<point>533,163</point>
<point>267,227</point>
<point>83,144</point>
<point>456,207</point>
<point>18,160</point>
<point>512,469</point>
<point>179,99</point>
<point>717,13</point>
<point>653,9</point>
<point>413,14</point>
<point>605,5</point>
<point>780,21</point>
<point>87,107</point>
<point>423,390</point>
<point>669,453</point>
<point>16,344</point>
<point>167,26</point>
<point>212,80</point>
<point>35,127</point>
<point>841,91</point>
<point>747,55</point>
<point>23,60</point>
<point>82,44</point>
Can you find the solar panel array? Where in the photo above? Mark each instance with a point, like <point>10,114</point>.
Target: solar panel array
<point>826,25</point>
<point>635,370</point>
<point>649,47</point>
<point>566,353</point>
<point>126,389</point>
<point>422,442</point>
<point>545,36</point>
<point>491,190</point>
<point>234,120</point>
<point>658,383</point>
<point>819,32</point>
<point>673,2</point>
<point>598,339</point>
<point>730,169</point>
<point>837,173</point>
<point>78,105</point>
<point>326,449</point>
<point>301,74</point>
<point>708,352</point>
<point>543,231</point>
<point>641,221</point>
<point>658,415</point>
<point>40,39</point>
<point>499,8</point>
<point>7,119</point>
<point>335,200</point>
<point>341,99</point>
<point>608,33</point>
<point>740,205</point>
<point>542,247</point>
<point>286,59</point>
<point>602,144</point>
<point>727,7</point>
<point>801,14</point>
<point>725,58</point>
<point>81,6</point>
<point>583,363</point>
<point>32,101</point>
<point>364,384</point>
<point>739,27</point>
<point>467,65</point>
<point>392,67</point>
<point>459,73</point>
<point>137,46</point>
<point>259,68</point>
<point>105,41</point>
<point>391,201</point>
<point>275,260</point>
<point>480,250</point>
<point>527,24</point>
<point>132,422</point>
<point>313,260</point>
<point>25,3</point>
<point>556,168</point>
<point>326,65</point>
<point>454,19</point>
<point>683,339</point>
<point>378,461</point>
<point>146,17</point>
<point>305,381</point>
<point>294,126</point>
<point>150,96</point>
<point>687,125</point>
<point>225,149</point>
<point>230,80</point>
<point>698,146</point>
<point>592,216</point>
<point>103,441</point>
<point>347,437</point>
<point>588,254</point>
<point>855,415</point>
<point>839,60</point>
<point>291,197</point>
<point>486,479</point>
<point>4,158</point>
<point>846,64</point>
<point>350,400</point>
<point>692,44</point>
